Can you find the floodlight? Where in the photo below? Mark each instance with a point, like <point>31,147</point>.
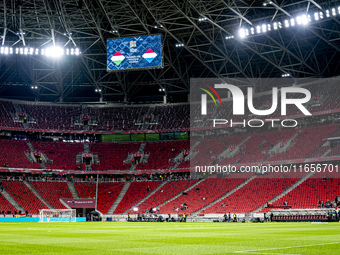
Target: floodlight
<point>286,23</point>
<point>327,13</point>
<point>302,20</point>
<point>333,12</point>
<point>54,52</point>
<point>242,33</point>
<point>135,209</point>
<point>258,29</point>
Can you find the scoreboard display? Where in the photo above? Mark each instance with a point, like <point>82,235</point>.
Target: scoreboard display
<point>133,53</point>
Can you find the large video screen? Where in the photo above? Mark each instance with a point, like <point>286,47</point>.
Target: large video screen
<point>141,52</point>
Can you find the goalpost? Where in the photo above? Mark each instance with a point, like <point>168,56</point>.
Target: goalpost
<point>57,215</point>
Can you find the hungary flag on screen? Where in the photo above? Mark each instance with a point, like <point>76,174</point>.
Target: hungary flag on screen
<point>149,55</point>
<point>117,58</point>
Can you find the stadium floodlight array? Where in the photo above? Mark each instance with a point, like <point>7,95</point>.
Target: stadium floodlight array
<point>229,37</point>
<point>285,75</point>
<point>202,19</point>
<point>301,20</point>
<point>179,45</point>
<point>54,52</point>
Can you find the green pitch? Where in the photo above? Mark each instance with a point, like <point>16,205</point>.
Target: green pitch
<point>169,238</point>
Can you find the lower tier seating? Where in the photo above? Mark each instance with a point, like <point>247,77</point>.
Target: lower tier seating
<point>107,193</point>
<point>6,206</point>
<point>309,193</point>
<point>52,192</point>
<point>252,196</point>
<point>136,192</point>
<point>24,196</point>
<point>169,190</point>
<point>201,195</point>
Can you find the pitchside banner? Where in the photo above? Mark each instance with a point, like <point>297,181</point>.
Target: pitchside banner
<point>141,52</point>
<point>276,128</point>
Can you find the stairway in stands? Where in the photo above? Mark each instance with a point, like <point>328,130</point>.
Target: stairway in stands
<point>180,194</point>
<point>24,196</point>
<point>278,148</point>
<point>85,113</point>
<point>31,157</point>
<point>72,189</point>
<point>37,194</point>
<point>11,200</point>
<point>136,192</point>
<point>231,153</point>
<point>226,195</point>
<point>149,112</point>
<point>146,197</point>
<point>144,158</point>
<point>87,150</point>
<point>119,198</point>
<point>18,109</point>
<point>295,185</point>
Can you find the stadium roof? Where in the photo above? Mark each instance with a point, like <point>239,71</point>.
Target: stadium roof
<point>202,38</point>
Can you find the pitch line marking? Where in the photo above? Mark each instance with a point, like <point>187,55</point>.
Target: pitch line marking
<point>280,248</point>
<point>270,253</point>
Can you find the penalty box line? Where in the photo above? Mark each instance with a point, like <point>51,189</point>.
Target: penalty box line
<point>281,248</point>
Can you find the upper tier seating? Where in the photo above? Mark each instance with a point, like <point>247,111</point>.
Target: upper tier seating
<point>167,117</point>
<point>112,155</point>
<point>13,153</point>
<point>52,117</point>
<point>63,155</point>
<point>161,153</point>
<point>6,120</point>
<point>335,151</point>
<point>306,142</point>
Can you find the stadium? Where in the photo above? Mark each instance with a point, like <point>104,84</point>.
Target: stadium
<point>170,127</point>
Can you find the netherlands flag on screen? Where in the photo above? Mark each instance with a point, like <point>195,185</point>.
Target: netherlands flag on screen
<point>117,58</point>
<point>149,55</point>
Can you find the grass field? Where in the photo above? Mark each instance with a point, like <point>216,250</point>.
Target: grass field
<point>169,238</point>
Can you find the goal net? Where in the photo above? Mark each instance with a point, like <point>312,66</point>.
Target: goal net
<point>57,215</point>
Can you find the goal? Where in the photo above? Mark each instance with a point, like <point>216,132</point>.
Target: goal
<point>57,215</point>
